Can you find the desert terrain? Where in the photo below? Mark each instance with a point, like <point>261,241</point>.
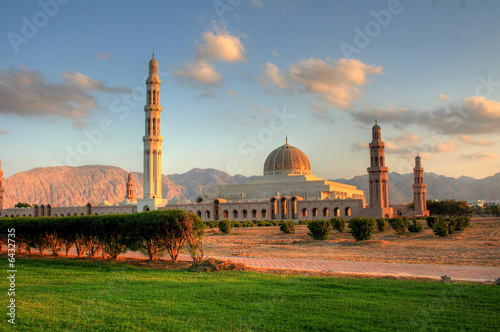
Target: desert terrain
<point>477,245</point>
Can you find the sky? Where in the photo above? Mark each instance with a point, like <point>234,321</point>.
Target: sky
<point>238,76</point>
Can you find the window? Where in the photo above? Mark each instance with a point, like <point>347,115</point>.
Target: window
<point>326,212</point>
<point>254,214</point>
<point>304,212</point>
<point>315,212</point>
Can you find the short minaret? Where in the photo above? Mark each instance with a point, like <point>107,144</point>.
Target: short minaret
<point>378,176</point>
<point>379,193</point>
<point>419,189</point>
<point>152,139</point>
<point>1,188</point>
<point>130,188</point>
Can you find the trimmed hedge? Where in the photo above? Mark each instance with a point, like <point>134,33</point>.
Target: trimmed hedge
<point>415,226</point>
<point>362,228</point>
<point>288,227</point>
<point>338,224</point>
<point>151,232</point>
<point>225,226</point>
<point>381,224</point>
<point>399,225</point>
<point>319,229</point>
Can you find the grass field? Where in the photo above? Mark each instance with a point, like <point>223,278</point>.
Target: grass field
<point>72,295</point>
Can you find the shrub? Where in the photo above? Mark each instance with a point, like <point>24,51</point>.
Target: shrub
<point>362,228</point>
<point>225,226</point>
<point>338,224</point>
<point>399,225</point>
<point>288,227</point>
<point>415,226</point>
<point>381,224</point>
<point>319,229</point>
<point>442,227</point>
<point>264,223</point>
<point>236,224</point>
<point>304,222</point>
<point>212,223</point>
<point>246,224</point>
<point>431,220</point>
<point>462,223</point>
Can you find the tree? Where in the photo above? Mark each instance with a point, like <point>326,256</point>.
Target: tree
<point>22,205</point>
<point>449,208</point>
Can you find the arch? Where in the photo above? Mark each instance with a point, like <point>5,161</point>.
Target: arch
<point>326,212</point>
<point>348,211</point>
<point>89,209</point>
<point>198,213</point>
<point>293,207</point>
<point>284,208</point>
<point>244,214</point>
<point>154,126</point>
<point>254,214</point>
<point>386,216</point>
<point>155,172</point>
<point>381,161</point>
<point>145,208</point>
<point>216,209</point>
<point>42,210</point>
<point>304,212</point>
<point>315,212</point>
<point>199,200</point>
<point>336,212</point>
<point>235,214</point>
<point>49,210</point>
<point>226,214</point>
<point>207,215</point>
<point>148,124</point>
<point>399,213</point>
<point>273,207</point>
<point>264,214</point>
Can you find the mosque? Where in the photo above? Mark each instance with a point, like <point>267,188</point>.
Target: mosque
<point>286,190</point>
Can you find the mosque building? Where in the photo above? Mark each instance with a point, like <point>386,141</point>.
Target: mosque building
<point>286,190</point>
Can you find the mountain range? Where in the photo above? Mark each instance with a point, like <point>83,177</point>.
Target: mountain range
<point>76,186</point>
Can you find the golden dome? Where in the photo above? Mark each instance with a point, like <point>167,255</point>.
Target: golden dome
<point>287,159</point>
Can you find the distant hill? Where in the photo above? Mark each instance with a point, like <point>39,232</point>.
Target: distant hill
<point>75,186</point>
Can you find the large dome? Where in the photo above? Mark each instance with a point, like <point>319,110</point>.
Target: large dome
<point>287,159</point>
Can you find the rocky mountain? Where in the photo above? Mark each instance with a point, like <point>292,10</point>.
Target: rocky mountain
<point>75,186</point>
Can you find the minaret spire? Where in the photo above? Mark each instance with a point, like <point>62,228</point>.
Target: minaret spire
<point>152,138</point>
<point>1,188</point>
<point>378,175</point>
<point>286,141</point>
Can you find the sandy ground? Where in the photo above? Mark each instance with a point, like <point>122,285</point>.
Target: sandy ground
<point>478,245</point>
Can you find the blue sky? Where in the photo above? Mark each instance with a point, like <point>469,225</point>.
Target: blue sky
<point>237,76</point>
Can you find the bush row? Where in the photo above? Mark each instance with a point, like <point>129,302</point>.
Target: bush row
<point>153,233</point>
<point>446,226</point>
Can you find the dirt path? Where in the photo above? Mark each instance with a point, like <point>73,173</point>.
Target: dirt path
<point>478,245</point>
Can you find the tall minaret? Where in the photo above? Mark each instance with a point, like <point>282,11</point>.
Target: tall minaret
<point>130,188</point>
<point>419,189</point>
<point>1,188</point>
<point>152,139</point>
<point>377,172</point>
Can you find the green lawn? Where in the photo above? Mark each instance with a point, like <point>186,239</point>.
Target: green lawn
<point>70,295</point>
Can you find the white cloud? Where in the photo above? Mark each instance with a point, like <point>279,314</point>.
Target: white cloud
<point>334,82</point>
<point>257,3</point>
<point>475,115</point>
<point>483,156</point>
<point>359,146</point>
<point>201,73</point>
<point>106,56</point>
<point>408,138</point>
<point>445,146</point>
<point>3,132</point>
<point>29,93</point>
<point>216,45</point>
<point>469,140</point>
<point>442,97</point>
<point>220,46</point>
<point>321,113</point>
<point>272,76</point>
